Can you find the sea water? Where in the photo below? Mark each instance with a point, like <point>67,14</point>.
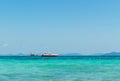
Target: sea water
<point>72,68</point>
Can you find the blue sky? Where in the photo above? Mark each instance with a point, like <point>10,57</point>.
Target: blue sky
<point>60,26</point>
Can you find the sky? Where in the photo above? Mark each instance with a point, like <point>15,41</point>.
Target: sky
<point>59,26</point>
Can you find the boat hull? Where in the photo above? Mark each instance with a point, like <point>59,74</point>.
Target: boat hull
<point>49,55</point>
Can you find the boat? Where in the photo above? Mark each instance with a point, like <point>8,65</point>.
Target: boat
<point>33,54</point>
<point>49,55</point>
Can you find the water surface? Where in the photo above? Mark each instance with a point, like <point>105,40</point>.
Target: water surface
<point>73,68</point>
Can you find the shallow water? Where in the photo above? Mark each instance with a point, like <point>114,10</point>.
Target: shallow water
<point>59,68</point>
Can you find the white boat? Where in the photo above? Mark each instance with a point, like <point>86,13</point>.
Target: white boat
<point>49,55</point>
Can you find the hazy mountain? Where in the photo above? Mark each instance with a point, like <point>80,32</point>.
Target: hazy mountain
<point>98,54</point>
<point>112,54</point>
<point>17,54</point>
<point>71,54</point>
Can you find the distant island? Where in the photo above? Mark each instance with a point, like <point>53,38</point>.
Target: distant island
<point>111,54</point>
<point>68,54</point>
<point>71,54</point>
<point>98,54</point>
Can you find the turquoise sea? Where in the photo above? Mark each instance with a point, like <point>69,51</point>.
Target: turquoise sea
<point>69,68</point>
